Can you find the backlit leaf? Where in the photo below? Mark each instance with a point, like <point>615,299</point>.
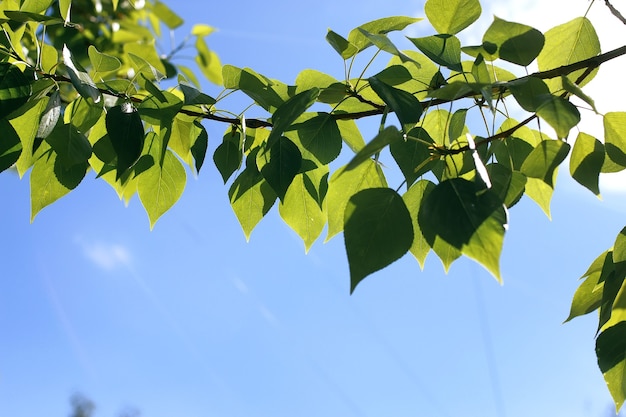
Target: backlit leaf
<point>413,199</point>
<point>378,27</point>
<point>341,45</point>
<point>441,49</point>
<point>515,42</point>
<point>388,136</point>
<point>14,89</point>
<point>227,155</point>
<point>301,208</point>
<point>378,231</point>
<point>611,353</point>
<point>565,44</point>
<point>161,186</point>
<point>544,160</point>
<point>586,161</point>
<point>452,16</point>
<point>615,137</point>
<point>343,185</point>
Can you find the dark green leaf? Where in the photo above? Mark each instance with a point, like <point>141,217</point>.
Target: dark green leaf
<point>413,155</point>
<point>405,105</point>
<point>413,199</point>
<point>228,155</point>
<point>160,111</point>
<point>71,146</point>
<point>195,97</point>
<point>560,114</point>
<point>516,43</point>
<point>442,49</point>
<point>611,353</point>
<point>320,135</point>
<point>388,136</point>
<point>10,145</point>
<point>14,89</point>
<point>289,111</point>
<point>341,45</point>
<point>81,81</point>
<point>378,231</point>
<point>281,163</point>
<point>126,132</point>
<point>199,146</point>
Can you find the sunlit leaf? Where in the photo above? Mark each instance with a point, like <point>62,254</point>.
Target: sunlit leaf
<point>344,184</point>
<point>378,231</point>
<point>413,155</point>
<point>586,161</point>
<point>565,44</point>
<point>615,137</point>
<point>541,193</point>
<point>544,159</point>
<point>251,198</point>
<point>413,199</point>
<point>289,111</point>
<point>103,63</point>
<point>209,62</point>
<point>611,353</point>
<point>560,114</point>
<point>378,27</point>
<point>166,15</point>
<point>341,45</point>
<point>81,81</point>
<point>10,145</point>
<point>71,146</point>
<point>452,16</point>
<point>302,209</point>
<point>161,186</point>
<point>320,135</point>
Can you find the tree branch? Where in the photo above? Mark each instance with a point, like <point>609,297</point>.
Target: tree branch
<point>615,12</point>
<point>589,64</point>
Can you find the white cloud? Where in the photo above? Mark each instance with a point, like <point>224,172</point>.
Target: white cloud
<point>107,256</point>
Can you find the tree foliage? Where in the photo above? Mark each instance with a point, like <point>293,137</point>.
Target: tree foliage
<point>84,88</point>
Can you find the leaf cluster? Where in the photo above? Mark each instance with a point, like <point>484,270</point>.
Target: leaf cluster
<point>85,86</point>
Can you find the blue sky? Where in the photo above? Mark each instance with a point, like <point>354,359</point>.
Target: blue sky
<point>191,320</point>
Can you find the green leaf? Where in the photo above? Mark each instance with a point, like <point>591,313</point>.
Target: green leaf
<point>161,186</point>
<point>565,44</point>
<point>166,15</point>
<point>103,63</point>
<point>341,45</point>
<point>280,164</point>
<point>514,149</point>
<point>64,8</point>
<point>319,134</point>
<point>541,193</point>
<point>452,16</point>
<point>545,159</point>
<point>202,30</point>
<point>615,137</point>
<point>49,182</point>
<point>199,146</point>
<point>227,155</point>
<point>344,184</point>
<point>71,146</point>
<point>35,6</point>
<point>441,49</point>
<point>611,353</point>
<point>572,88</point>
<point>251,197</point>
<point>126,132</point>
<point>10,145</point>
<point>468,217</point>
<point>586,162</point>
<point>515,42</point>
<point>81,81</point>
<point>530,92</point>
<point>387,137</point>
<point>383,43</point>
<point>160,110</point>
<point>587,298</point>
<point>378,27</point>
<point>351,135</point>
<point>378,231</point>
<point>407,108</point>
<point>413,199</point>
<point>195,97</point>
<point>413,155</point>
<point>26,126</point>
<point>50,116</point>
<point>302,209</point>
<point>81,113</point>
<point>506,184</point>
<point>269,94</point>
<point>25,17</point>
<point>14,89</point>
<point>331,90</point>
<point>209,62</point>
<point>560,114</point>
<point>289,111</point>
